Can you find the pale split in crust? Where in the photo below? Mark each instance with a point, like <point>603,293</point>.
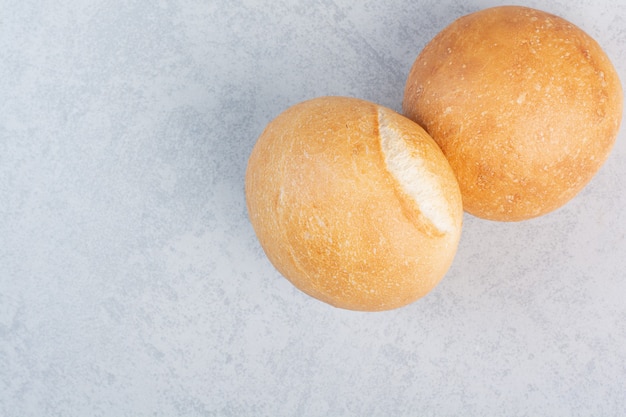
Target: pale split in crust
<point>408,167</point>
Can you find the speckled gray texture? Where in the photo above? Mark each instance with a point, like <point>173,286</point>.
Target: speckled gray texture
<point>131,282</point>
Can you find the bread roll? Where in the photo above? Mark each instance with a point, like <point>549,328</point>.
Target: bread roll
<point>525,106</point>
<point>353,203</point>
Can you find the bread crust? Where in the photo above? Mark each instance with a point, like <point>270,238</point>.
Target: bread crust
<point>524,104</point>
<point>334,220</point>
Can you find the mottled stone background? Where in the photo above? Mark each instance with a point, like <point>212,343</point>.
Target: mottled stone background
<point>131,282</point>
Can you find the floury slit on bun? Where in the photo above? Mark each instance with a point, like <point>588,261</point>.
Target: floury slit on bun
<point>353,203</point>
<point>525,106</point>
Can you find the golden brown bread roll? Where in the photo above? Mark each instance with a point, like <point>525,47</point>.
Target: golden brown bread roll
<point>354,203</point>
<point>525,106</point>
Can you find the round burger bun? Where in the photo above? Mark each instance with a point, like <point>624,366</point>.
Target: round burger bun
<point>524,104</point>
<point>353,203</point>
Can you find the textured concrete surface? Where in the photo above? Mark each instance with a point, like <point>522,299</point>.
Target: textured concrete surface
<point>131,282</point>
